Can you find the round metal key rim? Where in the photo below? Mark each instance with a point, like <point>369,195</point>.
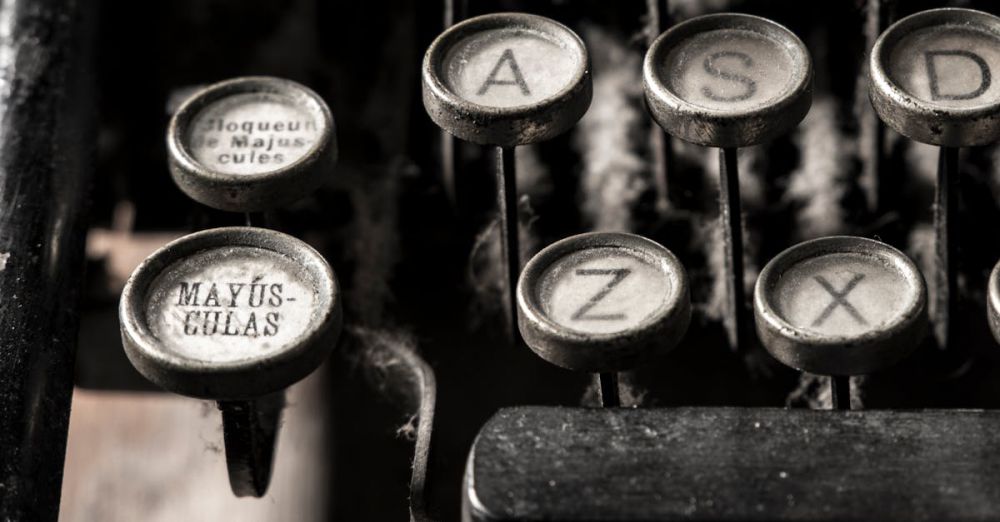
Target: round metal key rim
<point>840,355</point>
<point>921,120</point>
<point>258,190</point>
<point>505,126</point>
<point>720,128</point>
<point>993,302</point>
<point>600,352</point>
<point>246,378</point>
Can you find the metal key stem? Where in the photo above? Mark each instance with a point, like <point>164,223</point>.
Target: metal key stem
<point>506,176</point>
<point>657,13</point>
<point>946,245</point>
<point>454,11</point>
<point>879,183</point>
<point>250,432</point>
<point>608,383</point>
<point>730,214</point>
<point>840,392</point>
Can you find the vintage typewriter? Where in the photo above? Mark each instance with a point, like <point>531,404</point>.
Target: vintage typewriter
<point>499,260</point>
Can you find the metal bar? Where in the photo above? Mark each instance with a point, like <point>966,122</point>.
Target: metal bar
<point>730,214</point>
<point>657,19</point>
<point>423,393</point>
<point>875,177</point>
<point>454,11</point>
<point>840,392</point>
<point>532,463</point>
<point>250,431</point>
<point>608,383</point>
<point>46,146</point>
<point>506,176</point>
<point>946,245</point>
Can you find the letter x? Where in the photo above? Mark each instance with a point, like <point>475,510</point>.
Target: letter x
<point>839,299</point>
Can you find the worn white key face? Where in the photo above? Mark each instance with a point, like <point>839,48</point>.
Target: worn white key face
<point>730,70</point>
<point>604,290</point>
<point>230,312</point>
<point>252,133</point>
<point>230,304</point>
<point>842,295</point>
<point>952,66</point>
<point>510,67</point>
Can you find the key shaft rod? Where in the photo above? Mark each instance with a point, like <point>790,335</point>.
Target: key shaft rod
<point>946,245</point>
<point>732,230</point>
<point>878,183</point>
<point>250,432</point>
<point>608,383</point>
<point>454,11</point>
<point>657,15</point>
<point>506,177</point>
<point>840,392</point>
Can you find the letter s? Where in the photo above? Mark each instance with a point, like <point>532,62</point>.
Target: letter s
<point>750,86</point>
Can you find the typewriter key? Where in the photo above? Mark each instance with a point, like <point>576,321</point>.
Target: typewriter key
<point>603,302</point>
<point>728,81</point>
<point>932,80</point>
<point>251,144</point>
<point>507,79</point>
<point>840,306</point>
<point>993,302</point>
<point>236,315</point>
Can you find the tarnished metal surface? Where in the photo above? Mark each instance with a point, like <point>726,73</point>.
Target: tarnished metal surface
<point>953,119</point>
<point>505,124</point>
<point>542,463</point>
<point>840,305</point>
<point>229,361</point>
<point>250,431</point>
<point>564,316</point>
<point>993,301</point>
<point>738,119</point>
<point>286,127</point>
<point>46,142</point>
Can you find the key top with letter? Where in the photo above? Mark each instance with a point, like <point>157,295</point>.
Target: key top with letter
<point>934,80</point>
<point>234,315</point>
<point>251,144</point>
<point>840,306</point>
<point>603,302</point>
<point>507,79</point>
<point>728,81</point>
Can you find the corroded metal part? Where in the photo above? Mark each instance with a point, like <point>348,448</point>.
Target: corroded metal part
<point>728,80</point>
<point>506,79</point>
<point>251,144</point>
<point>603,302</point>
<point>914,64</point>
<point>230,313</point>
<point>840,305</point>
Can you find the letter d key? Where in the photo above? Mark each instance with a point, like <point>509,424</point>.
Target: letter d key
<point>932,80</point>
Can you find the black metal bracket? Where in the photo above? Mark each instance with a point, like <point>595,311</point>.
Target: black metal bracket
<point>549,463</point>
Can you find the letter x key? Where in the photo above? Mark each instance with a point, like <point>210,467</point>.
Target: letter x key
<point>839,299</point>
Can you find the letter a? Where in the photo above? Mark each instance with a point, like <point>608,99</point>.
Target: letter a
<point>932,75</point>
<point>506,57</point>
